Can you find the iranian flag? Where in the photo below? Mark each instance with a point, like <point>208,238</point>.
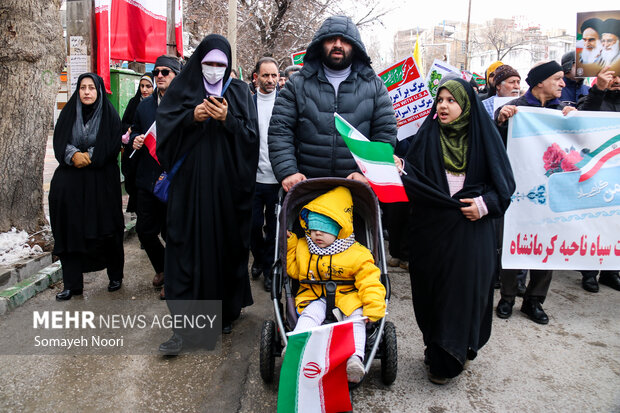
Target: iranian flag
<point>138,30</point>
<point>375,160</point>
<point>593,161</point>
<point>313,377</point>
<point>178,25</point>
<point>150,140</point>
<point>102,26</point>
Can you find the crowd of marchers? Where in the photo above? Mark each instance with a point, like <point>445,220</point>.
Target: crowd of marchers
<point>227,149</point>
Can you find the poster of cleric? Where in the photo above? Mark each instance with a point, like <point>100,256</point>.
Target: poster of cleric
<point>565,211</point>
<point>598,42</point>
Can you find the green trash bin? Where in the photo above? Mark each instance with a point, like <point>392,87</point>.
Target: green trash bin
<point>124,84</point>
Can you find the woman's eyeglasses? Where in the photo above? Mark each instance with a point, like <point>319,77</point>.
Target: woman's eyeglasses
<point>164,72</point>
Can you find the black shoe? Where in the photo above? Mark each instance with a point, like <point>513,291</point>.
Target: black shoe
<point>227,328</point>
<point>521,288</point>
<point>267,284</point>
<point>65,295</point>
<point>534,311</point>
<point>115,285</point>
<point>590,284</point>
<point>504,308</point>
<point>173,346</point>
<point>610,279</point>
<point>256,272</point>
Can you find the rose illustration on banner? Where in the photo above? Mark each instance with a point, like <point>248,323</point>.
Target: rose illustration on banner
<point>557,159</point>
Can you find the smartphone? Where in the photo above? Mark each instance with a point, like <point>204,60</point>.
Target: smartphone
<point>218,98</point>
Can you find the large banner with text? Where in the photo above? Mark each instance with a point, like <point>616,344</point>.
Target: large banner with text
<point>565,212</point>
<point>410,97</point>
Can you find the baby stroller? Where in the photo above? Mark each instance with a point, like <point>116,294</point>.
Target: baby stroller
<point>380,336</point>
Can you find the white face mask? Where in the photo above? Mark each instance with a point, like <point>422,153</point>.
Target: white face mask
<point>213,74</point>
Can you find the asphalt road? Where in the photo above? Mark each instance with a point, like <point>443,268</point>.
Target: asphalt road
<point>570,365</point>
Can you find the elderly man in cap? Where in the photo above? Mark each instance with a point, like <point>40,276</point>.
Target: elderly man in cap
<point>574,89</point>
<point>590,35</point>
<point>490,78</point>
<point>507,84</point>
<point>151,211</point>
<point>546,82</point>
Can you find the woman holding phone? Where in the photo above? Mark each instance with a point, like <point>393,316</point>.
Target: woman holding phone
<point>210,197</point>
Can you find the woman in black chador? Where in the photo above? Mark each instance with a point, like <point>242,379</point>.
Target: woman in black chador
<point>210,198</point>
<point>458,181</point>
<point>85,194</point>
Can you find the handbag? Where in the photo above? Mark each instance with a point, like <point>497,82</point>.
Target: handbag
<point>162,185</point>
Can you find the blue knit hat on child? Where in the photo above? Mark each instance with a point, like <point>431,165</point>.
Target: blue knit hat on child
<point>320,222</point>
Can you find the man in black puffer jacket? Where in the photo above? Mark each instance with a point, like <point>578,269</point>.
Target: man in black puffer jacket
<point>603,96</point>
<point>336,77</point>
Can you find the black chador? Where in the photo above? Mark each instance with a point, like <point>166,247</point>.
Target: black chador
<point>452,259</point>
<point>85,203</point>
<point>210,198</point>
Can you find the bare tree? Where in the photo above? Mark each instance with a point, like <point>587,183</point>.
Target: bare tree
<point>275,28</point>
<point>31,59</point>
<point>500,35</point>
<point>203,17</point>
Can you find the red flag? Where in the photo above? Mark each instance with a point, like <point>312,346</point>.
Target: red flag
<point>138,30</point>
<point>150,141</point>
<point>178,26</point>
<point>102,26</point>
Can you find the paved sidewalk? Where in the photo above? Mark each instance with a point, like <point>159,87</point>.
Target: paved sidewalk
<point>570,365</point>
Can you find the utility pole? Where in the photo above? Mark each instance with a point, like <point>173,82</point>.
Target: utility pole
<point>232,31</point>
<point>80,40</point>
<point>171,40</point>
<point>467,38</point>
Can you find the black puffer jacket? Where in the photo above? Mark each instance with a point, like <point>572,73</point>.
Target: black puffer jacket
<point>302,134</point>
<point>600,100</point>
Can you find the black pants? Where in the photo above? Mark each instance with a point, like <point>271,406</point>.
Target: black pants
<point>594,273</point>
<point>263,237</point>
<point>150,223</point>
<point>397,222</point>
<point>110,250</point>
<point>540,280</point>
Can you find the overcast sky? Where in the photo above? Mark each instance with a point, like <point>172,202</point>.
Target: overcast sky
<point>426,13</point>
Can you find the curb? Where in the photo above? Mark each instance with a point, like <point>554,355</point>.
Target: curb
<point>18,294</point>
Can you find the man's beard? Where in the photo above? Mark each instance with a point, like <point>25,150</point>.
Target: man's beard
<point>607,56</point>
<point>335,64</point>
<point>589,56</point>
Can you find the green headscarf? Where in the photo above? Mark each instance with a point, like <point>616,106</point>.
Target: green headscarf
<point>453,135</point>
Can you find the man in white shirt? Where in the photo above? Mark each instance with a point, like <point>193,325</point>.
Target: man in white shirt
<point>262,241</point>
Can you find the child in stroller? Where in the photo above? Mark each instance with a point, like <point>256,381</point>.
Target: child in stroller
<point>329,252</point>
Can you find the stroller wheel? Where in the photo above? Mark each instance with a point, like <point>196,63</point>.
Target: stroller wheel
<point>389,359</point>
<point>267,351</point>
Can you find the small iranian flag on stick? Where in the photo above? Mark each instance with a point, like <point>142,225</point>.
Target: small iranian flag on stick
<point>313,377</point>
<point>593,161</point>
<point>376,161</point>
<point>150,141</point>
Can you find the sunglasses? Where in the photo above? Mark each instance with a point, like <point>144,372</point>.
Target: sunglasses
<point>164,72</point>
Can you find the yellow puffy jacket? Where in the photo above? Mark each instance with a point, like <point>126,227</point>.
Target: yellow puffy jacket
<point>355,263</point>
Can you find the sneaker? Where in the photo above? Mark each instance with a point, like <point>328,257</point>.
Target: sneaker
<point>404,265</point>
<point>355,369</point>
<point>393,262</point>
